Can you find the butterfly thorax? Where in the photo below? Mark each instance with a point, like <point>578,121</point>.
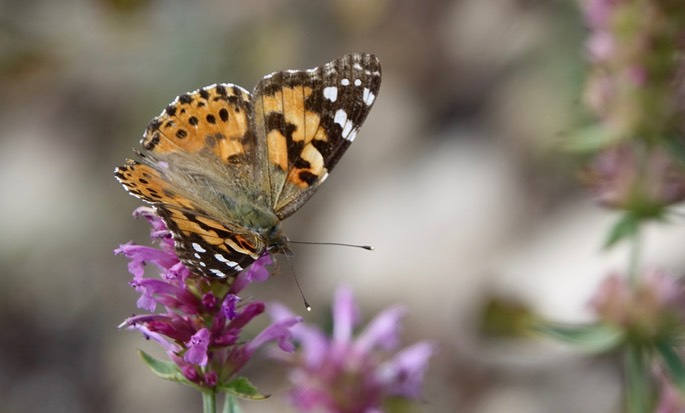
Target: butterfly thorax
<point>266,225</point>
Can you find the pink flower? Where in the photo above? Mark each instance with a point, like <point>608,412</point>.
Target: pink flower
<point>638,178</point>
<point>655,308</point>
<point>343,374</point>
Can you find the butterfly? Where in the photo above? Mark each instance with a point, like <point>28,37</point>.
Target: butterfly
<point>223,167</point>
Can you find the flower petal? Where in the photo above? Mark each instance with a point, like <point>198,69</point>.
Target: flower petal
<point>403,375</point>
<point>250,311</point>
<point>382,331</point>
<point>280,331</point>
<point>256,272</point>
<point>345,314</point>
<point>197,348</point>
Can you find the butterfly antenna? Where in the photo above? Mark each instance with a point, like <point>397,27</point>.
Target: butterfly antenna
<point>292,270</point>
<point>340,244</point>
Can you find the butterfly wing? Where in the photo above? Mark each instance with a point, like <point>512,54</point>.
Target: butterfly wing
<point>305,120</point>
<point>197,163</point>
<point>217,161</point>
<point>208,247</point>
<point>205,137</point>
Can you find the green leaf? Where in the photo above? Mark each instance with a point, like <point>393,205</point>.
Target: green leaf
<point>241,387</point>
<point>595,338</point>
<point>674,364</point>
<point>164,369</point>
<point>676,147</point>
<point>627,226</point>
<point>589,139</point>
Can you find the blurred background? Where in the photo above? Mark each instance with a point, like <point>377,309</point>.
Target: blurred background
<point>456,179</point>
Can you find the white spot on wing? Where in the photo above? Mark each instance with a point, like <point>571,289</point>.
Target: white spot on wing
<point>357,66</point>
<point>368,96</point>
<point>346,124</point>
<point>202,264</point>
<point>340,117</point>
<point>331,93</point>
<point>196,255</point>
<point>228,262</point>
<point>357,82</point>
<point>217,273</point>
<point>347,129</point>
<point>345,82</point>
<point>197,247</point>
<point>221,258</point>
<point>352,135</point>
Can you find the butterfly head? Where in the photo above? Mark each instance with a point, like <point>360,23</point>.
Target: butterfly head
<point>277,242</point>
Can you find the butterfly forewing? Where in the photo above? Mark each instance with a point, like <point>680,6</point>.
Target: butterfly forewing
<point>222,167</point>
<point>308,119</point>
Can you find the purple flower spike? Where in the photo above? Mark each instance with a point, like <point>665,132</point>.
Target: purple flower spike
<point>201,322</point>
<point>343,374</point>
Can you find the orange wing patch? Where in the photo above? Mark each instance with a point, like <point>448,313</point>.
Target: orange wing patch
<point>309,168</point>
<point>291,129</point>
<point>146,183</point>
<point>212,119</point>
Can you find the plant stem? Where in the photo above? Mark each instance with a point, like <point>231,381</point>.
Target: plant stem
<point>208,401</point>
<point>231,405</point>
<point>634,258</point>
<point>638,386</point>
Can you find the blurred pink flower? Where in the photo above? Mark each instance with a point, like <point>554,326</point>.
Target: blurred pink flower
<point>635,50</point>
<point>341,374</point>
<point>670,399</point>
<point>654,308</point>
<point>634,177</point>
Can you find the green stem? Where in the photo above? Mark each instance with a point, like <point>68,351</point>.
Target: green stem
<point>638,386</point>
<point>208,401</point>
<point>634,258</point>
<point>642,154</point>
<point>231,405</point>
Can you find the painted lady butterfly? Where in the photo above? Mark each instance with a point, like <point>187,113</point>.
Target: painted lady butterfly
<point>223,167</point>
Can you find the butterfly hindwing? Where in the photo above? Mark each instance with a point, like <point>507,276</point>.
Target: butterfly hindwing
<point>204,245</point>
<point>207,247</point>
<point>145,182</point>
